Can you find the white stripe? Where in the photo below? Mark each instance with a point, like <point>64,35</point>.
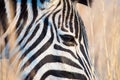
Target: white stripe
<point>32,52</point>
<point>16,49</point>
<point>83,59</point>
<point>56,66</point>
<point>51,51</point>
<point>57,78</point>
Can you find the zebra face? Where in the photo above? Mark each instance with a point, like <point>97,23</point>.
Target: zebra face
<point>50,41</point>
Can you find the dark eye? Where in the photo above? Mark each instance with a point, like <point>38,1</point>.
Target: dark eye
<point>68,40</point>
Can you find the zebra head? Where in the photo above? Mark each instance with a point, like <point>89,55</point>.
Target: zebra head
<point>50,40</point>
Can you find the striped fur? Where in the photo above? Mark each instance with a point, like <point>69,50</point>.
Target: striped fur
<point>45,39</point>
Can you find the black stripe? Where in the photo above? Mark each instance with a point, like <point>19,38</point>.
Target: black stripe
<point>53,19</point>
<point>24,16</point>
<point>35,13</point>
<point>67,13</point>
<point>59,21</point>
<point>76,24</point>
<point>55,26</point>
<point>85,39</point>
<point>32,36</point>
<point>63,12</point>
<point>85,2</point>
<point>63,16</point>
<point>44,48</point>
<point>71,19</point>
<point>63,74</point>
<point>51,59</point>
<point>58,47</point>
<point>82,63</point>
<point>85,55</point>
<point>34,8</point>
<point>83,52</point>
<point>87,69</point>
<point>41,37</point>
<point>41,50</point>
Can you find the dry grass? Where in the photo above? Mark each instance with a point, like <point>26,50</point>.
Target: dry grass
<point>7,73</point>
<point>103,28</point>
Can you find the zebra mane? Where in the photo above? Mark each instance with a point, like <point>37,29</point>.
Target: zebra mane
<point>85,2</point>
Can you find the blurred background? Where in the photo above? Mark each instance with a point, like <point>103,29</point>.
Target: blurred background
<point>102,23</point>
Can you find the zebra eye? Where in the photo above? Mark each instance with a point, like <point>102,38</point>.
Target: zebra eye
<point>68,40</point>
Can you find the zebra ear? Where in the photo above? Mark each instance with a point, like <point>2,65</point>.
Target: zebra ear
<point>85,2</point>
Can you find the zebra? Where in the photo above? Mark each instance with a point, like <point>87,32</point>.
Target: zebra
<point>45,39</point>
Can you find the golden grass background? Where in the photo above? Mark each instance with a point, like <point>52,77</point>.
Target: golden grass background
<point>102,23</point>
